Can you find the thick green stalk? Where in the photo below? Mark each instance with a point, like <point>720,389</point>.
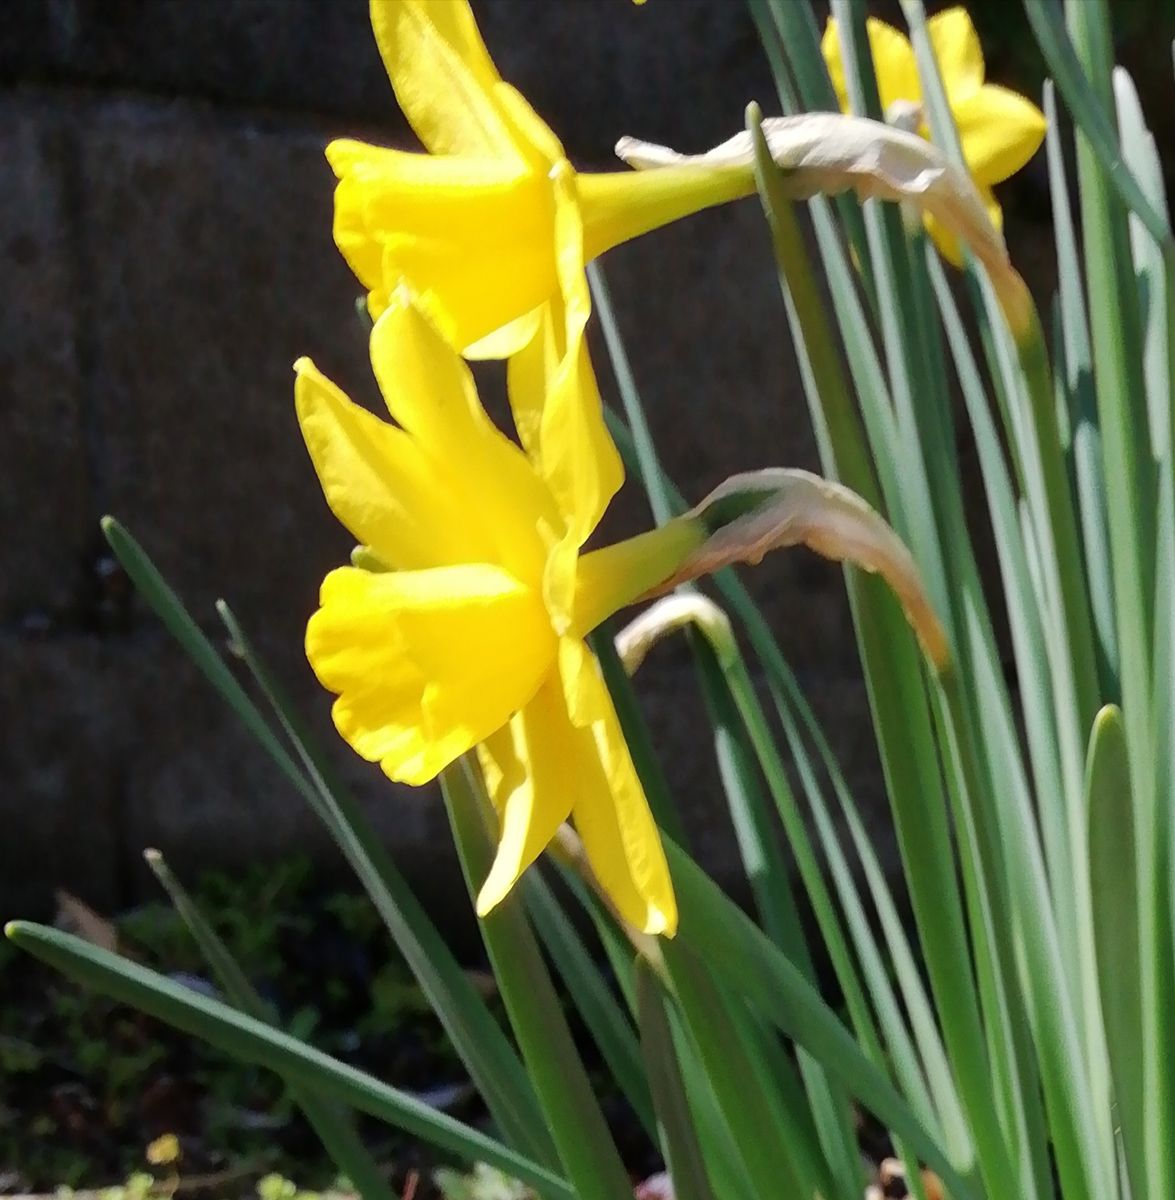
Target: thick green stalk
<point>790,38</point>
<point>763,860</point>
<point>573,1115</point>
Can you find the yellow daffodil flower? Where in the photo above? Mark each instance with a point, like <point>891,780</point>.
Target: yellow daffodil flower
<point>999,130</point>
<point>471,225</point>
<point>473,634</point>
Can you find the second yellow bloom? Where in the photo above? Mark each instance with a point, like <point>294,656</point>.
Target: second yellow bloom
<point>999,129</point>
<point>471,225</point>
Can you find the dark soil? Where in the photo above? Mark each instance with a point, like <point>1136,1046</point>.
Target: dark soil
<point>86,1084</point>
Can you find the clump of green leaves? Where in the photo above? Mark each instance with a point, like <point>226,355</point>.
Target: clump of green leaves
<point>1018,1039</point>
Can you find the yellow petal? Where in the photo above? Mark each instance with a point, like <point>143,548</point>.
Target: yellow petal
<point>893,60</point>
<point>361,250</point>
<point>443,76</point>
<point>378,483</point>
<point>426,664</point>
<point>620,205</point>
<point>528,371</point>
<point>945,239</point>
<point>508,340</point>
<point>533,135</point>
<point>1000,131</point>
<point>834,61</point>
<point>893,63</point>
<point>472,236</point>
<point>431,393</point>
<point>547,766</point>
<point>960,56</point>
<point>526,775</point>
<point>613,819</point>
<point>577,457</point>
<point>578,672</point>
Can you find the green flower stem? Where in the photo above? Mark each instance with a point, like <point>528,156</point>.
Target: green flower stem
<point>762,857</point>
<point>583,980</point>
<point>790,37</point>
<point>718,663</point>
<point>573,1115</point>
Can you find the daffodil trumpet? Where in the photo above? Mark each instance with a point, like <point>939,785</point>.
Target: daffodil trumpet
<point>472,225</point>
<point>462,627</point>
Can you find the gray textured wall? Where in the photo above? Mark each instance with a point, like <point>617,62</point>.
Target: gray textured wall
<point>166,254</point>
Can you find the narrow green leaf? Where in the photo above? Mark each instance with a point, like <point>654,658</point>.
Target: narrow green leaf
<point>1049,27</point>
<point>1153,262</point>
<point>253,1041</point>
<point>725,939</point>
<point>751,1110</point>
<point>1086,440</point>
<point>1115,910</point>
<point>492,1064</point>
<point>332,1125</point>
<point>1131,491</point>
<point>683,1154</point>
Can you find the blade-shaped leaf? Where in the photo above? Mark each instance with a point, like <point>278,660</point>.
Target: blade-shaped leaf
<point>253,1041</point>
<point>332,1125</point>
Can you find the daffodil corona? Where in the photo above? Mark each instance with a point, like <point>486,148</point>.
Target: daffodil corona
<point>999,129</point>
<point>469,630</point>
<point>471,225</point>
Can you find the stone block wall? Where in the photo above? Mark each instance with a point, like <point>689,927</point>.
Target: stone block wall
<point>165,245</point>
